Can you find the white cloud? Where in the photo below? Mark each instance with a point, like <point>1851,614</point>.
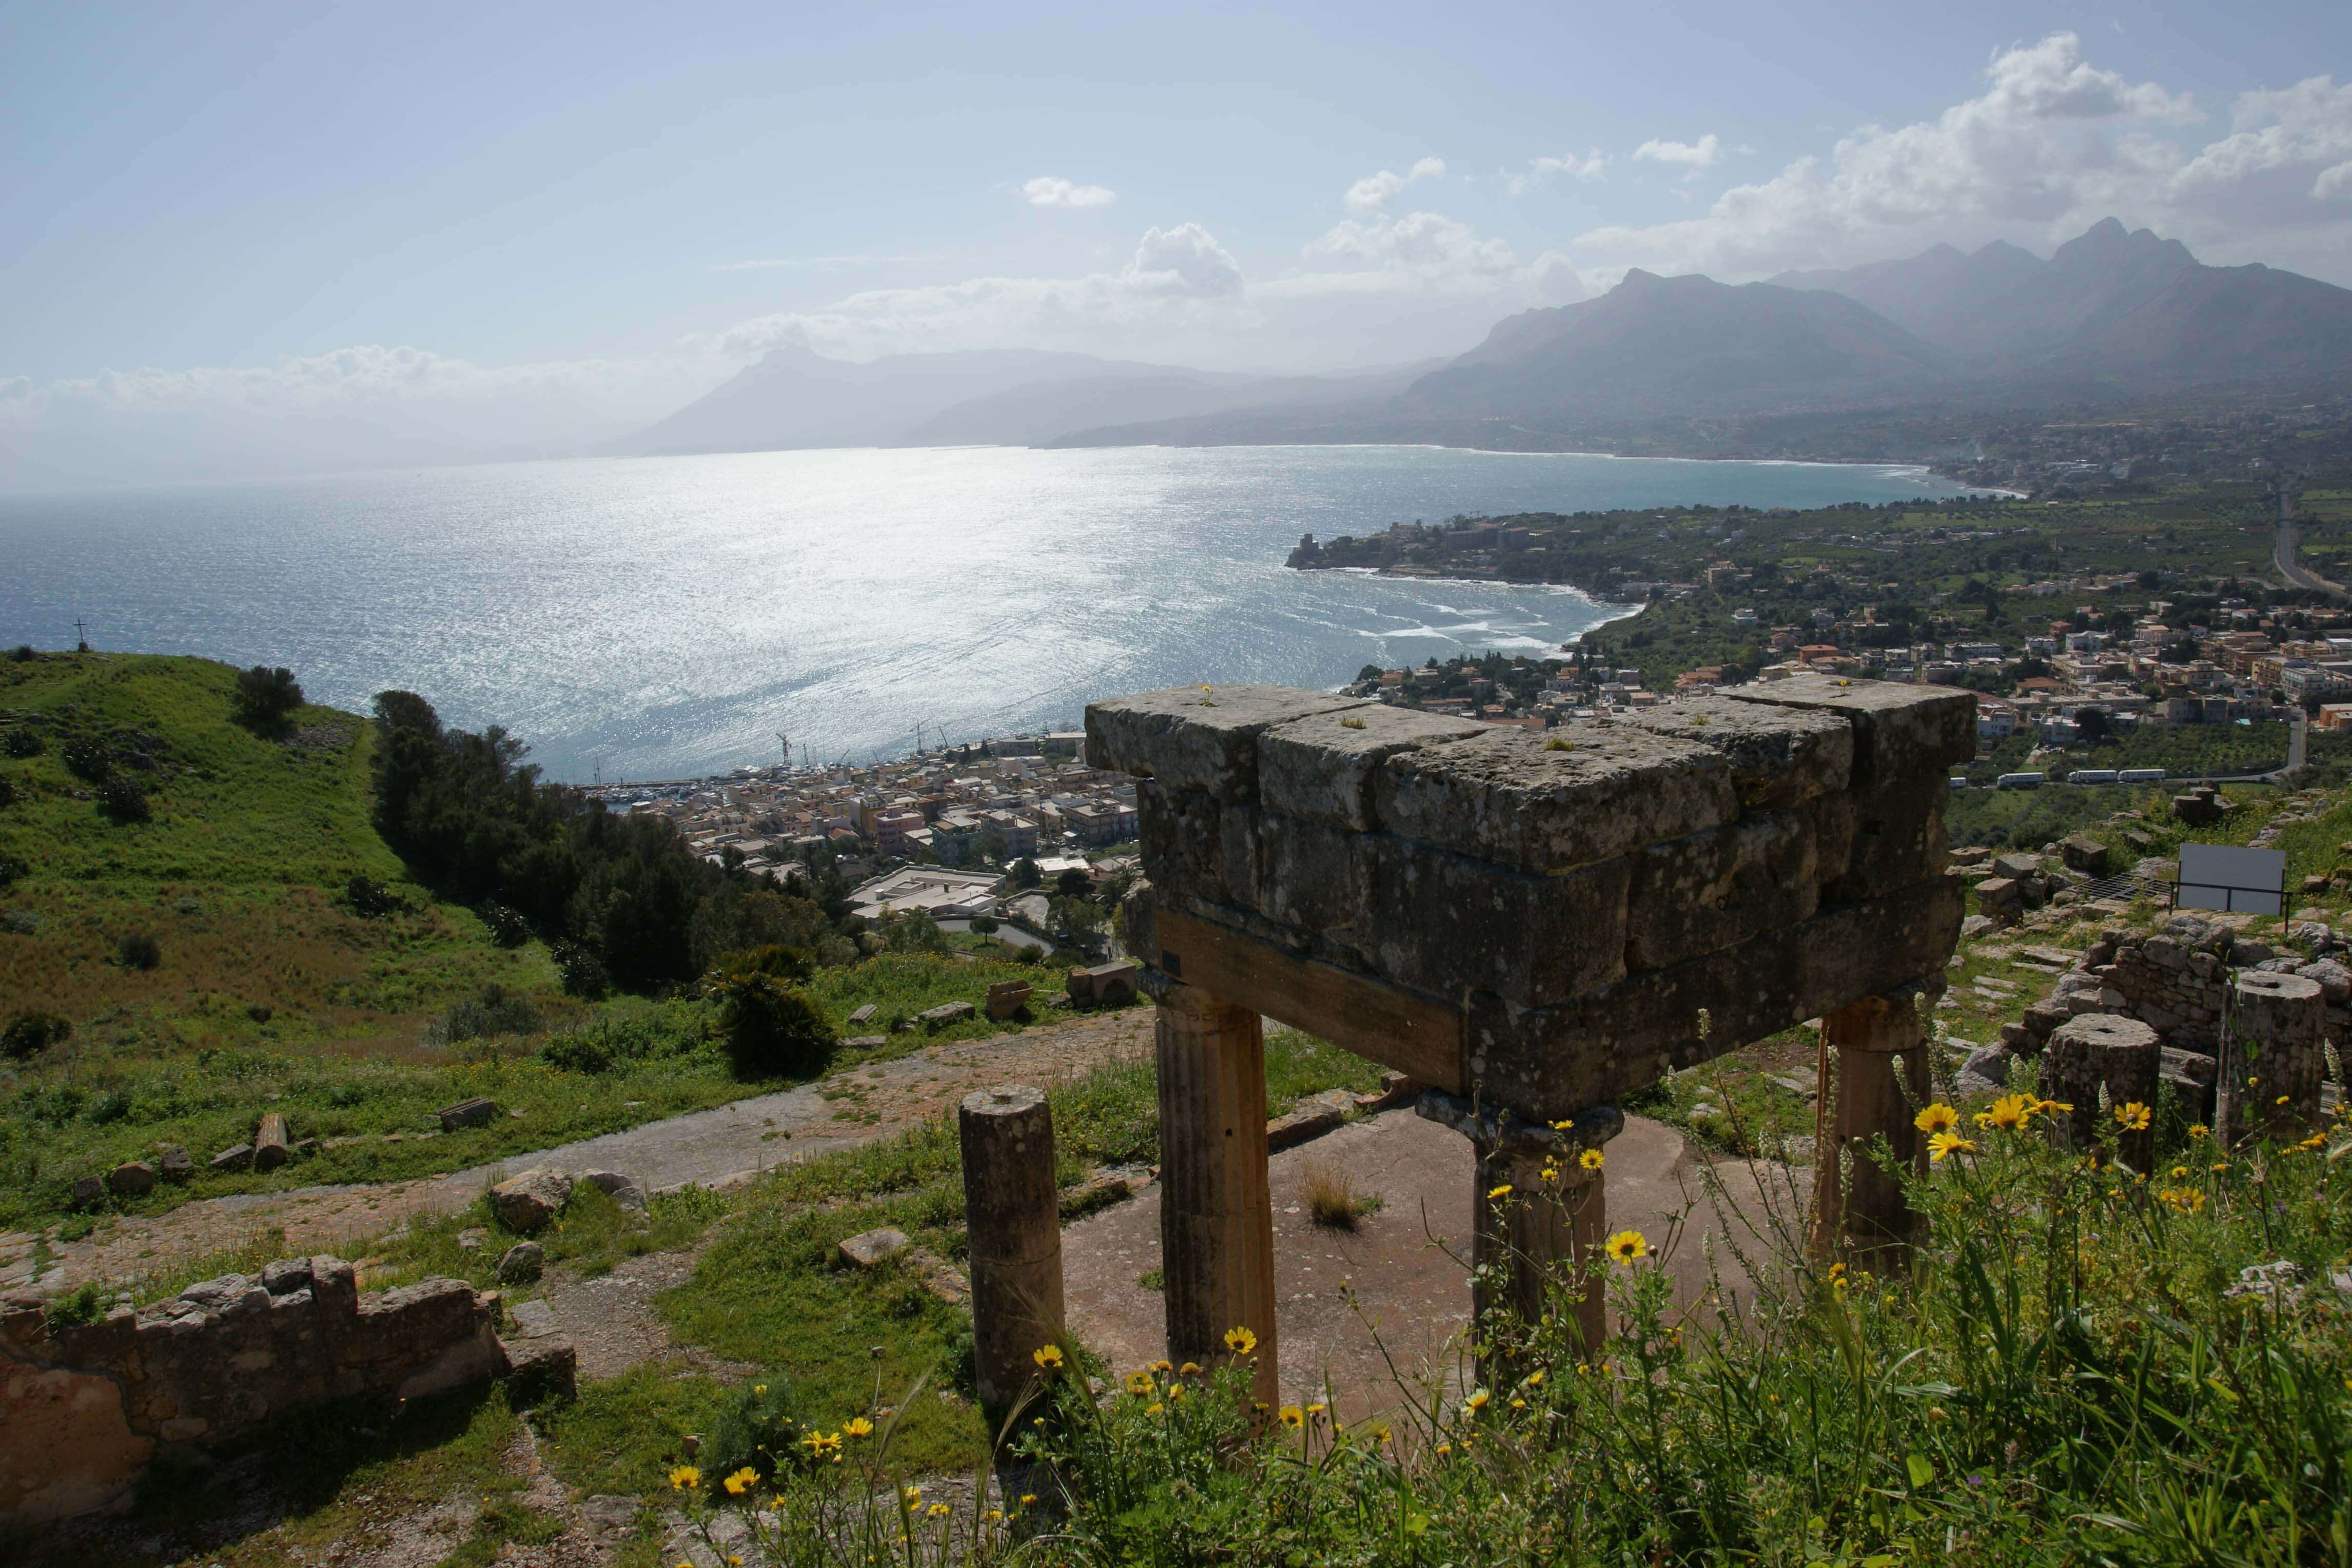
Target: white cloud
<point>1179,279</point>
<point>1051,191</point>
<point>1702,154</point>
<point>1373,192</point>
<point>1592,166</point>
<point>2050,145</point>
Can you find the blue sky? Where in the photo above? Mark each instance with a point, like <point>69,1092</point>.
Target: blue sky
<point>514,226</point>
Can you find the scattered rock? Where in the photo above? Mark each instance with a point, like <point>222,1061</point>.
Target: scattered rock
<point>173,1163</point>
<point>472,1237</point>
<point>2334,979</point>
<point>616,1186</point>
<point>521,1264</point>
<point>271,1143</point>
<point>871,1249</point>
<point>237,1159</point>
<point>1977,925</point>
<point>529,1200</point>
<point>2083,853</point>
<point>532,1319</point>
<point>947,1013</point>
<point>132,1178</point>
<point>88,1190</point>
<point>476,1112</point>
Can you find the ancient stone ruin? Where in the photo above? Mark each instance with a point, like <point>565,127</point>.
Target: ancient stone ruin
<point>2181,983</point>
<point>1534,925</point>
<point>84,1409</point>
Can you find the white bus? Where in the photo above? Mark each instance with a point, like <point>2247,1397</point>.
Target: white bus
<point>2020,781</point>
<point>2140,775</point>
<point>2093,776</point>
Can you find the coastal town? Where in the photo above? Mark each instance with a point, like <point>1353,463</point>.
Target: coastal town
<point>935,832</point>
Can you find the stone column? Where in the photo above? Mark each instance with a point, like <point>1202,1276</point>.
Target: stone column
<point>1216,1217</point>
<point>2092,1051</point>
<point>1013,1214</point>
<point>1859,1209</point>
<point>1544,1235</point>
<point>2273,1059</point>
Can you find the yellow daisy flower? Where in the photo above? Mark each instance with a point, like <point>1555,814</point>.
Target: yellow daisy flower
<point>2133,1117</point>
<point>1591,1159</point>
<point>1628,1244</point>
<point>1241,1342</point>
<point>1047,1356</point>
<point>1937,1118</point>
<point>1948,1143</point>
<point>685,1478</point>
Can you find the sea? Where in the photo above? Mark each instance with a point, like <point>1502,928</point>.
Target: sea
<point>663,618</point>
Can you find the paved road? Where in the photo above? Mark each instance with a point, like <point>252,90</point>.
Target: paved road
<point>2283,555</point>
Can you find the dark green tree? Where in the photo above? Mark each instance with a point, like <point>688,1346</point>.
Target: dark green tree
<point>265,699</point>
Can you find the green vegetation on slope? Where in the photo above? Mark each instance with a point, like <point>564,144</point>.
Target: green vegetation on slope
<point>268,986</point>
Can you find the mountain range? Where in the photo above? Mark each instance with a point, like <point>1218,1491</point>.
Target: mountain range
<point>2112,313</point>
<point>794,397</point>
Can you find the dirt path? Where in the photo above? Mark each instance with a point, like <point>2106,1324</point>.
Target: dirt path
<point>712,1148</point>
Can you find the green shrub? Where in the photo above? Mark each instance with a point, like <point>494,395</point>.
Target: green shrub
<point>493,1010</point>
<point>368,898</point>
<point>88,759</point>
<point>8,791</point>
<point>20,923</point>
<point>265,699</point>
<point>23,653</point>
<point>32,1032</point>
<point>10,870</point>
<point>122,801</point>
<point>138,950</point>
<point>760,1427</point>
<point>582,972</point>
<point>507,926</point>
<point>23,741</point>
<point>768,1022</point>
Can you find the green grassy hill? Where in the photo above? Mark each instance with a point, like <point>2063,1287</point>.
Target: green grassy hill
<point>267,989</point>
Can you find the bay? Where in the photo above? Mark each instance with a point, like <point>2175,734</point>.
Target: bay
<point>668,617</point>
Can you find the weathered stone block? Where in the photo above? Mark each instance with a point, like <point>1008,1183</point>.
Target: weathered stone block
<point>1445,922</point>
<point>871,1249</point>
<point>1321,769</point>
<point>2084,853</point>
<point>475,1112</point>
<point>1779,756</point>
<point>1900,733</point>
<point>1314,875</point>
<point>1199,737</point>
<point>1202,849</point>
<point>529,1200</point>
<point>1514,797</point>
<point>1593,1050</point>
<point>1718,889</point>
<point>132,1178</point>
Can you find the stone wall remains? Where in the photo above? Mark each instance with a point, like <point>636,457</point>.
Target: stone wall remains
<point>84,1410</point>
<point>1600,903</point>
<point>2176,980</point>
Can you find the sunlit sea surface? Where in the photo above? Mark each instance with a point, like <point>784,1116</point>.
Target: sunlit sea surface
<point>666,617</point>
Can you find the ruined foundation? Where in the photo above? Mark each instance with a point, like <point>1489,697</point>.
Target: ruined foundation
<point>1535,924</point>
<point>87,1409</point>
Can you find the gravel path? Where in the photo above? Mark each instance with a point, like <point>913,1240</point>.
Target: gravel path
<point>714,1148</point>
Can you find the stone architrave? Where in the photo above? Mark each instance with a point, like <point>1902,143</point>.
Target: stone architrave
<point>1538,923</point>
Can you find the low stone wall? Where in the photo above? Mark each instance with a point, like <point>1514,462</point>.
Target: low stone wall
<point>1595,904</point>
<point>83,1411</point>
<point>2176,981</point>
